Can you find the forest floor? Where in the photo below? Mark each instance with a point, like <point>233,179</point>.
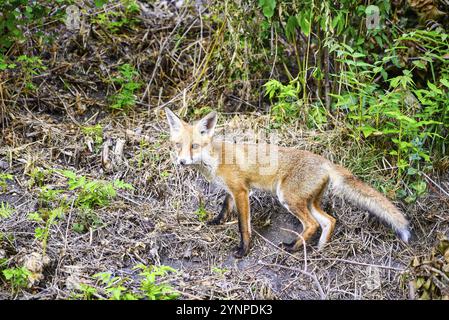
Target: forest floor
<point>55,127</point>
<point>157,223</point>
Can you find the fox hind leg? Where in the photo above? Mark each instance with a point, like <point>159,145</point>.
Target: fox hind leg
<point>226,209</point>
<point>299,208</point>
<point>326,221</point>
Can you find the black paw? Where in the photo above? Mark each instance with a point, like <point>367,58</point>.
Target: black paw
<point>289,246</point>
<point>240,252</point>
<point>214,222</point>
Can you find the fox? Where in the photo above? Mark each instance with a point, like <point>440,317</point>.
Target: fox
<point>298,178</point>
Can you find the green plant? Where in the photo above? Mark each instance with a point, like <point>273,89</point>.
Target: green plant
<point>126,79</point>
<point>395,102</point>
<point>119,18</point>
<point>4,65</point>
<point>38,177</point>
<point>49,197</point>
<point>118,288</point>
<point>201,112</point>
<point>93,193</point>
<point>219,271</point>
<point>202,213</point>
<point>95,134</point>
<point>46,219</point>
<point>30,66</point>
<point>412,120</point>
<point>114,287</point>
<point>15,15</point>
<point>17,277</point>
<point>87,292</point>
<point>86,218</point>
<point>3,178</point>
<point>268,7</point>
<point>287,106</point>
<point>5,210</point>
<point>152,289</point>
<point>142,152</point>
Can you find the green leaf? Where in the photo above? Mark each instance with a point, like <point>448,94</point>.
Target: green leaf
<point>100,3</point>
<point>119,184</point>
<point>304,22</point>
<point>434,88</point>
<point>34,216</point>
<point>104,277</point>
<point>445,82</point>
<point>69,174</point>
<point>368,130</point>
<point>393,153</point>
<point>268,7</point>
<point>318,74</point>
<point>420,187</point>
<point>290,29</point>
<point>39,233</point>
<point>420,64</point>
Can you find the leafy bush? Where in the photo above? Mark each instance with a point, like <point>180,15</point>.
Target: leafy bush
<point>149,286</point>
<point>117,19</point>
<point>93,193</point>
<point>125,98</point>
<point>15,15</point>
<point>114,287</point>
<point>118,288</point>
<point>17,277</point>
<point>403,113</point>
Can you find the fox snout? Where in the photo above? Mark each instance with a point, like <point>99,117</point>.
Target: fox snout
<point>184,156</point>
<point>184,161</point>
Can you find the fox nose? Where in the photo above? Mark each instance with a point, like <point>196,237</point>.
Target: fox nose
<point>182,162</point>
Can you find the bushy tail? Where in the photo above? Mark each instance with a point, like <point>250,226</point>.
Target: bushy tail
<point>345,184</point>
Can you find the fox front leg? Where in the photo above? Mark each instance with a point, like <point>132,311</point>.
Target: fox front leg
<point>226,209</point>
<point>242,203</point>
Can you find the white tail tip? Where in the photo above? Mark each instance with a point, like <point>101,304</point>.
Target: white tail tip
<point>404,234</point>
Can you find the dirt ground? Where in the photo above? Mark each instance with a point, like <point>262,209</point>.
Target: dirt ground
<point>156,223</point>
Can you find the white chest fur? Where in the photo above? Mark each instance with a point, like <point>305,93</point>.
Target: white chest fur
<point>208,172</point>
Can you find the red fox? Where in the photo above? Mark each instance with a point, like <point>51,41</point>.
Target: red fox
<point>297,177</point>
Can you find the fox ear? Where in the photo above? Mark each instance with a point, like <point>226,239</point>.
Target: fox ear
<point>206,126</point>
<point>174,122</point>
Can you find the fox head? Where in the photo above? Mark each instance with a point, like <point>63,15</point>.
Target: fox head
<point>192,142</point>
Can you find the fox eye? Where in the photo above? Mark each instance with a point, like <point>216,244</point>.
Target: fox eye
<point>178,145</point>
<point>195,146</point>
